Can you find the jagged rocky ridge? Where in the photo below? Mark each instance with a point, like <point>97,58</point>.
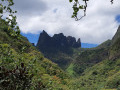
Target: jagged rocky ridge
<point>78,57</point>
<point>115,46</point>
<point>57,41</point>
<point>116,36</point>
<point>58,48</point>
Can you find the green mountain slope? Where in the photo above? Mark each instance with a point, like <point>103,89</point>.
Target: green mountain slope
<point>89,57</point>
<point>104,75</point>
<point>116,36</point>
<point>105,44</point>
<point>115,50</point>
<point>23,67</point>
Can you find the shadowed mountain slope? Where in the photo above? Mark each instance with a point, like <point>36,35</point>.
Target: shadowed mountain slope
<point>58,48</point>
<point>109,49</point>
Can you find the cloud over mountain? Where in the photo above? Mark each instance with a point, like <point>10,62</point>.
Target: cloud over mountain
<point>54,16</point>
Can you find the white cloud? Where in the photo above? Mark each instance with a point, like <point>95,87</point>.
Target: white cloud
<point>55,17</point>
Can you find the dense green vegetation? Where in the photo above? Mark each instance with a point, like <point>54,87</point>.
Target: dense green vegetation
<point>23,67</point>
<point>90,57</point>
<point>62,58</point>
<point>115,50</point>
<point>102,75</point>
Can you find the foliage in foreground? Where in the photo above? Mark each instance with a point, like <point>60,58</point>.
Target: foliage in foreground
<point>23,67</point>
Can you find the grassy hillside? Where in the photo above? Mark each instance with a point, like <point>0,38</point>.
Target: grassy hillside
<point>115,50</point>
<point>90,57</point>
<point>23,67</point>
<point>104,75</point>
<point>116,36</point>
<point>105,44</point>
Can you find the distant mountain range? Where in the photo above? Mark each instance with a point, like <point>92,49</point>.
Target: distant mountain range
<point>33,38</point>
<point>58,45</point>
<point>58,41</point>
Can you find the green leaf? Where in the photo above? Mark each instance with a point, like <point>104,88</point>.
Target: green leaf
<point>70,0</point>
<point>76,0</point>
<point>81,7</point>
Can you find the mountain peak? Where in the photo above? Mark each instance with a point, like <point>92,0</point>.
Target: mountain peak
<point>117,35</point>
<point>58,35</point>
<point>44,32</point>
<point>118,30</point>
<point>78,41</point>
<point>43,38</point>
<point>57,41</point>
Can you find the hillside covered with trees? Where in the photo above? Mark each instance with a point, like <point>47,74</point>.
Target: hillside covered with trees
<point>24,66</point>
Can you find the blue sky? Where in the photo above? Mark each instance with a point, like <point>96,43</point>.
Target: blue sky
<point>33,38</point>
<point>54,16</point>
<point>118,18</point>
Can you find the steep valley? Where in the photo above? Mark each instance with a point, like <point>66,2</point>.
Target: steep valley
<point>96,68</point>
<point>26,67</point>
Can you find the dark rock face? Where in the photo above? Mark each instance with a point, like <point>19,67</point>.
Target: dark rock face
<point>115,46</point>
<point>72,42</point>
<point>44,40</point>
<point>116,36</point>
<point>58,48</point>
<point>58,41</point>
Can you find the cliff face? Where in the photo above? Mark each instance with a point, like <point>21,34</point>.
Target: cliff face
<point>57,41</point>
<point>44,40</point>
<point>116,36</point>
<point>115,47</point>
<point>58,48</point>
